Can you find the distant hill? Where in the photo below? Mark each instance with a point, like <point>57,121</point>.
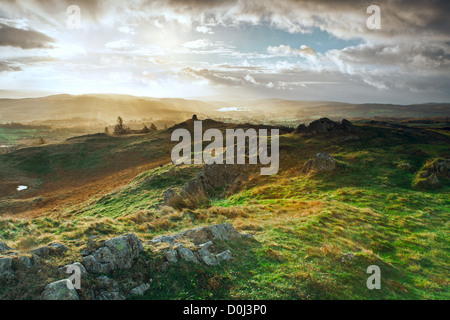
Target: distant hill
<point>105,107</point>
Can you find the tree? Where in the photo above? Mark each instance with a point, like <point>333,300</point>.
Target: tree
<point>120,128</point>
<point>153,128</point>
<point>145,129</point>
<point>106,130</point>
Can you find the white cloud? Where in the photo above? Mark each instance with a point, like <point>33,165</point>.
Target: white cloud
<point>286,50</point>
<point>204,29</point>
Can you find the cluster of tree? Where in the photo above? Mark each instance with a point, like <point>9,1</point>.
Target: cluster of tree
<point>120,128</point>
<point>152,128</point>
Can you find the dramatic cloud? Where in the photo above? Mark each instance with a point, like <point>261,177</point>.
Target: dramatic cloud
<point>25,39</point>
<point>288,48</point>
<point>4,66</point>
<point>284,50</point>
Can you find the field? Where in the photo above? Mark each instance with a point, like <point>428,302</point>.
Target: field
<point>305,225</point>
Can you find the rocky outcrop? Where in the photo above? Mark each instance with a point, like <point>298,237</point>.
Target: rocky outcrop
<point>325,126</point>
<point>322,162</point>
<point>207,257</point>
<point>12,262</point>
<point>209,179</point>
<point>24,262</point>
<point>52,249</point>
<point>173,199</point>
<point>116,253</point>
<point>433,174</point>
<point>203,235</point>
<point>203,240</point>
<point>59,290</point>
<point>225,256</point>
<point>63,270</point>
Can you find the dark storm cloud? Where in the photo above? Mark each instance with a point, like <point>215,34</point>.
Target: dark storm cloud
<point>25,39</point>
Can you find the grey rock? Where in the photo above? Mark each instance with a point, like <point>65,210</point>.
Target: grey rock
<point>248,236</point>
<point>41,252</point>
<point>108,289</point>
<point>108,284</point>
<point>187,255</point>
<point>207,257</point>
<point>225,255</point>
<point>58,248</point>
<point>322,162</point>
<point>223,231</point>
<point>83,271</point>
<point>167,239</point>
<point>6,271</point>
<point>171,256</point>
<point>207,245</point>
<point>22,262</point>
<point>210,178</point>
<point>85,253</point>
<point>116,253</point>
<point>140,290</point>
<point>59,290</point>
<point>52,249</point>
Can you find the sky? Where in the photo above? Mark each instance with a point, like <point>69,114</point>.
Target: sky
<point>227,49</point>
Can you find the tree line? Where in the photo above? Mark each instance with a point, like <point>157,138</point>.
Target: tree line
<point>120,128</point>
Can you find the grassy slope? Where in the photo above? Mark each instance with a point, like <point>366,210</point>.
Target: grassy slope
<point>304,225</point>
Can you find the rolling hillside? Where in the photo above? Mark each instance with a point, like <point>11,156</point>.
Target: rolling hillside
<point>316,233</point>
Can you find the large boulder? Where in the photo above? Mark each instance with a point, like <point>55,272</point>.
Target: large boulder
<point>116,253</point>
<point>322,162</point>
<point>325,126</point>
<point>59,290</point>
